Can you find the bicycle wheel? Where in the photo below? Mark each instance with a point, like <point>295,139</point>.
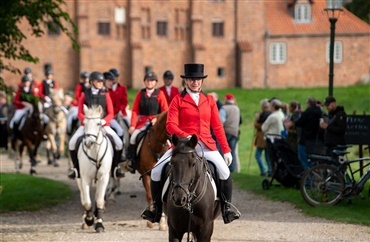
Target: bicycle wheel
<point>322,185</point>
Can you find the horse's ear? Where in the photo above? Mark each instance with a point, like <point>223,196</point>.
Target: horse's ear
<point>193,141</point>
<point>85,109</point>
<point>174,139</point>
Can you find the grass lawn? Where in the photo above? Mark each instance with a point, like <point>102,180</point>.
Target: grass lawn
<point>22,192</point>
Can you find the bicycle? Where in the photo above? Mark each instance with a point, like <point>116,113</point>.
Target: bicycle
<point>332,179</point>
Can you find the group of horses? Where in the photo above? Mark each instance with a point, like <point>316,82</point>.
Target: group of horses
<point>190,202</point>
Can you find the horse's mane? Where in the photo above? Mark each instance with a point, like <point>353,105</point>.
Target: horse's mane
<point>94,111</point>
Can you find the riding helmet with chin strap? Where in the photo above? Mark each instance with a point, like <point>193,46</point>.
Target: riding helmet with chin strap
<point>96,76</point>
<point>115,72</point>
<point>84,74</point>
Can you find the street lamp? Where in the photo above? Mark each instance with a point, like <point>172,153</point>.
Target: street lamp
<point>333,10</point>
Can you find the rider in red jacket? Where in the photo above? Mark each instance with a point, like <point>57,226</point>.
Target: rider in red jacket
<point>169,91</point>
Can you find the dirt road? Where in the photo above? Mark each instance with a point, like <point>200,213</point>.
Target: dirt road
<point>261,220</point>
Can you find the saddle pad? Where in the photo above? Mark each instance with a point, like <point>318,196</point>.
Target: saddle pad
<point>167,184</point>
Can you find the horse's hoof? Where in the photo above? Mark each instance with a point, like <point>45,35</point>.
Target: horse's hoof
<point>56,164</point>
<point>99,227</point>
<point>50,162</point>
<point>89,221</point>
<point>84,226</point>
<point>33,172</point>
<point>150,224</point>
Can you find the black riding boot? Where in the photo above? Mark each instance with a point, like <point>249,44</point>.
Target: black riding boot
<point>116,169</point>
<point>226,187</point>
<point>131,157</point>
<point>73,174</point>
<point>155,214</point>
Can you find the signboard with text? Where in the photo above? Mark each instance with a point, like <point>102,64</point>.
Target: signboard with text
<point>358,130</point>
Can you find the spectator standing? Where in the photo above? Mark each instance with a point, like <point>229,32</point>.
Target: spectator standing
<point>4,114</point>
<point>309,124</point>
<point>335,128</point>
<point>289,125</point>
<point>231,126</point>
<point>168,89</point>
<point>272,127</point>
<point>260,141</point>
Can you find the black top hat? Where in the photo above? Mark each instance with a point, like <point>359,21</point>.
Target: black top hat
<point>193,71</point>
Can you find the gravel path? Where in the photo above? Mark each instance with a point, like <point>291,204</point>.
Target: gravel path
<point>261,220</point>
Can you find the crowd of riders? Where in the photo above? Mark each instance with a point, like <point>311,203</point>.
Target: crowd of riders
<point>104,89</point>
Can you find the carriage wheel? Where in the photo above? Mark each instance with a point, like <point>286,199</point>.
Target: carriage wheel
<point>322,185</point>
<point>265,184</point>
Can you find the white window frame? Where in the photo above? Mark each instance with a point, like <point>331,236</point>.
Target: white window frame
<point>119,15</point>
<point>338,51</point>
<point>302,13</point>
<point>278,53</point>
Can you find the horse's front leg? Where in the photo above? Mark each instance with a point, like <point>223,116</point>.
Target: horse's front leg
<point>54,148</point>
<point>32,154</point>
<point>101,187</point>
<point>88,216</point>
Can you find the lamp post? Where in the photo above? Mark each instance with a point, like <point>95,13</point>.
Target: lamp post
<point>333,10</point>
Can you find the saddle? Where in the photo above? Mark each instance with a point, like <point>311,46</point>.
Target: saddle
<point>213,176</point>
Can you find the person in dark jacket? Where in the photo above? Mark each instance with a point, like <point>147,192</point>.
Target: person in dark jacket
<point>335,128</point>
<point>309,124</point>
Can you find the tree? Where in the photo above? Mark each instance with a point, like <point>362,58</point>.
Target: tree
<point>360,8</point>
<point>38,13</point>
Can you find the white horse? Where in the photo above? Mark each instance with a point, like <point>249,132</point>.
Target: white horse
<point>95,155</point>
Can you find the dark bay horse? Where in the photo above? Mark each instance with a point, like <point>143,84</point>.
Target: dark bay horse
<point>153,147</point>
<point>30,136</point>
<point>190,205</point>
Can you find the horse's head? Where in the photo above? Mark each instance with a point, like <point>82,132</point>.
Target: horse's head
<point>57,98</point>
<point>184,169</point>
<point>92,124</point>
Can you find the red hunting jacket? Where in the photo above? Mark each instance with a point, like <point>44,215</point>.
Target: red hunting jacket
<point>18,99</point>
<point>119,99</point>
<point>174,92</point>
<point>186,118</point>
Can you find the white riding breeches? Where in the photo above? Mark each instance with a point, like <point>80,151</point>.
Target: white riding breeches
<point>202,150</point>
<point>18,114</point>
<point>72,115</point>
<point>136,132</point>
<point>80,132</point>
<point>115,125</point>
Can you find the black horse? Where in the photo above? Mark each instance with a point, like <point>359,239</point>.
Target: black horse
<point>190,204</point>
<point>30,136</point>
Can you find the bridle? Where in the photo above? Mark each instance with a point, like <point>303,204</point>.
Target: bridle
<point>94,139</point>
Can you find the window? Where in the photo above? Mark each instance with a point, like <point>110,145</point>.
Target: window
<point>162,28</point>
<point>220,72</point>
<point>119,15</point>
<point>302,13</point>
<point>53,28</point>
<point>104,28</point>
<point>338,52</point>
<point>218,29</point>
<point>278,53</point>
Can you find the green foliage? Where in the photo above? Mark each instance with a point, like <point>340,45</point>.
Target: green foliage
<point>22,192</point>
<point>38,14</point>
<point>360,8</point>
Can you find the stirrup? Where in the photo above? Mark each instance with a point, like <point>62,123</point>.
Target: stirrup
<point>73,174</point>
<point>229,215</point>
<point>118,173</point>
<point>151,216</point>
<point>130,167</point>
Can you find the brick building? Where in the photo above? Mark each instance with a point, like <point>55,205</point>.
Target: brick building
<point>250,44</point>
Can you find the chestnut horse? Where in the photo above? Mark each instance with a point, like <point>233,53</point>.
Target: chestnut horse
<point>153,147</point>
<point>190,205</point>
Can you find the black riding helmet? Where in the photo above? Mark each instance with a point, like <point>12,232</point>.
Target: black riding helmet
<point>151,76</point>
<point>109,75</point>
<point>26,78</point>
<point>27,70</point>
<point>168,75</point>
<point>84,74</point>
<point>115,72</point>
<point>49,72</point>
<point>96,76</point>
